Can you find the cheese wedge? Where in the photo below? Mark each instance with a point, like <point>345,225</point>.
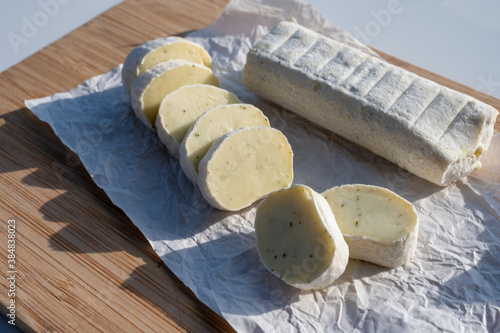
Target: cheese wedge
<point>243,166</point>
<point>378,225</point>
<point>298,239</point>
<point>151,87</point>
<point>153,52</point>
<point>182,107</point>
<point>211,125</point>
<point>432,131</point>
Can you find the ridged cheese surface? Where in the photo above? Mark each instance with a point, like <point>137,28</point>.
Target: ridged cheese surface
<point>378,225</point>
<point>298,239</point>
<point>430,130</point>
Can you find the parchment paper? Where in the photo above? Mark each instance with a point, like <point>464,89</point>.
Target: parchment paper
<point>452,284</point>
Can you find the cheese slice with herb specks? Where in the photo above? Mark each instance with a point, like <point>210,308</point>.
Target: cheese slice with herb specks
<point>153,52</point>
<point>179,110</point>
<point>378,225</point>
<point>298,239</point>
<point>211,125</point>
<point>151,87</point>
<point>245,165</point>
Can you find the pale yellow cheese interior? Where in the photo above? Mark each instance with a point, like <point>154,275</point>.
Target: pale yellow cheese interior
<point>170,81</point>
<point>247,165</point>
<point>372,212</point>
<point>176,50</point>
<point>182,107</point>
<point>217,122</point>
<point>291,238</point>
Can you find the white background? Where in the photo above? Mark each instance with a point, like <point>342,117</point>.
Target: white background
<point>458,39</point>
<point>29,25</point>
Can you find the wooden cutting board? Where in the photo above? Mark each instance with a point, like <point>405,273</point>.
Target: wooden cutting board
<point>82,266</point>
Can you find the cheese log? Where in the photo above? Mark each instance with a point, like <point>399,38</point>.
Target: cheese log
<point>378,225</point>
<point>151,87</point>
<point>182,107</point>
<point>160,50</point>
<point>211,125</point>
<point>298,239</point>
<point>243,166</point>
<point>432,131</point>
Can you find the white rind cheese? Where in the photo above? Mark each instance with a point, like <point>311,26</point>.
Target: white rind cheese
<point>159,50</point>
<point>245,165</point>
<point>378,225</point>
<point>432,131</point>
<point>151,87</point>
<point>182,107</point>
<point>211,125</point>
<point>298,239</point>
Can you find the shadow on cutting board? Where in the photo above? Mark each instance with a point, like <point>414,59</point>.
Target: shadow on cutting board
<point>58,168</point>
<point>238,283</point>
<point>64,172</point>
<point>51,165</point>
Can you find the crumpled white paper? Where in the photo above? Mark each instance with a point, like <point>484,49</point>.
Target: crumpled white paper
<point>452,284</point>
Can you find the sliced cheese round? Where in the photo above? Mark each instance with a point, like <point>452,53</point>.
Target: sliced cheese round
<point>243,166</point>
<point>182,107</point>
<point>151,87</point>
<point>153,52</point>
<point>298,239</point>
<point>211,125</point>
<point>378,225</point>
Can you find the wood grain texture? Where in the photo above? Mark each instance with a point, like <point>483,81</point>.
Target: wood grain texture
<point>82,265</point>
